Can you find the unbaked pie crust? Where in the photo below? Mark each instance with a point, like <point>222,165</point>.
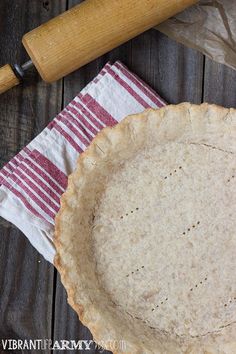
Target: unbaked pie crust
<point>146,233</point>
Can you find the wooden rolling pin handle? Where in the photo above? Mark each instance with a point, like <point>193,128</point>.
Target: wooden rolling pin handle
<point>8,78</point>
<point>91,29</point>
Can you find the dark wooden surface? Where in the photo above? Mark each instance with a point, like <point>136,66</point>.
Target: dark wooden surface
<point>32,300</point>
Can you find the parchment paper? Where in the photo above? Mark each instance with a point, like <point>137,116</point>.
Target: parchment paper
<point>209,26</point>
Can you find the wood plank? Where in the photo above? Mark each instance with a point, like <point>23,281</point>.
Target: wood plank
<point>173,70</point>
<point>170,68</point>
<point>26,279</point>
<point>219,84</point>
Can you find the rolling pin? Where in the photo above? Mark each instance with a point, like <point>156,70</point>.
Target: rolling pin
<point>85,32</point>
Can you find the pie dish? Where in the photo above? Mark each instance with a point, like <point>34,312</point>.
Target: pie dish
<point>146,233</point>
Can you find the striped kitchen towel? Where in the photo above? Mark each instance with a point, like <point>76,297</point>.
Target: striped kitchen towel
<point>32,182</point>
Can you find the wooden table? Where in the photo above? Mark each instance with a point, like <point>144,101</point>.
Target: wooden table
<point>33,303</point>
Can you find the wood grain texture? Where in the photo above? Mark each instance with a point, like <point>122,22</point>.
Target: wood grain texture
<point>26,279</point>
<point>219,84</point>
<point>8,78</point>
<point>172,69</point>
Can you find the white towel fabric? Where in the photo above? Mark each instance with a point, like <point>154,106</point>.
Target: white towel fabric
<point>32,182</point>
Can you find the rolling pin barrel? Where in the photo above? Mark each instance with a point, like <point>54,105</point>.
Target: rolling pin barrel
<point>91,29</point>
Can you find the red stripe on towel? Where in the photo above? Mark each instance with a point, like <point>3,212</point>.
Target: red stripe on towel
<point>40,183</point>
<point>70,140</point>
<point>84,121</point>
<point>67,122</point>
<point>98,110</point>
<point>50,168</point>
<point>129,89</point>
<point>24,200</point>
<point>87,114</point>
<point>41,205</point>
<point>140,85</point>
<point>42,174</point>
